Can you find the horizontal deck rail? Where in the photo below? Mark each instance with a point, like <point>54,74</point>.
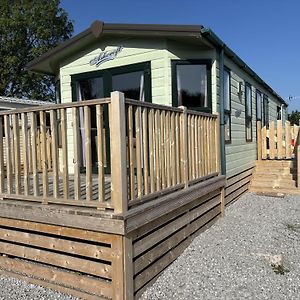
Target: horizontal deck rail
<point>107,153</point>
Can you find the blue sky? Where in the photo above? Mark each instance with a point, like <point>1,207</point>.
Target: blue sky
<point>265,33</point>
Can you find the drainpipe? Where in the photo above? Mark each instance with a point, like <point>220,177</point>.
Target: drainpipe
<point>222,127</point>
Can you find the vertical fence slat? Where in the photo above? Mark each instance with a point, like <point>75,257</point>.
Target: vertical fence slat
<point>49,149</point>
<point>288,141</point>
<point>199,145</point>
<point>162,149</point>
<point>167,139</point>
<point>54,145</point>
<point>16,141</point>
<point>76,147</point>
<point>24,120</point>
<point>296,138</point>
<point>173,150</point>
<point>64,146</point>
<point>217,144</point>
<point>1,157</point>
<point>212,142</point>
<point>131,152</point>
<point>259,142</point>
<point>184,147</point>
<point>34,154</point>
<point>44,155</point>
<point>157,150</point>
<point>138,151</point>
<point>100,150</point>
<point>88,152</point>
<point>205,147</point>
<point>151,150</point>
<point>272,140</point>
<point>196,147</point>
<point>8,153</point>
<point>208,153</point>
<point>192,138</point>
<point>29,149</point>
<point>279,139</point>
<point>177,147</point>
<point>189,146</point>
<point>202,137</point>
<point>145,152</point>
<point>264,142</point>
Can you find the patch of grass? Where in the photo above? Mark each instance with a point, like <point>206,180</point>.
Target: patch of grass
<point>293,227</point>
<point>279,269</point>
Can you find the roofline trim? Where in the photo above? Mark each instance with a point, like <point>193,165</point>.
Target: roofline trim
<point>98,27</point>
<point>212,37</point>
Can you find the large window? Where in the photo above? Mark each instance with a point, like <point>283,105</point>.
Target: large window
<point>248,112</point>
<point>131,84</point>
<point>258,105</point>
<point>227,105</point>
<point>191,84</point>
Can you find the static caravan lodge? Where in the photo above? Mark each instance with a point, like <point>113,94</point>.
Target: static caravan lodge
<point>154,132</point>
<point>174,65</point>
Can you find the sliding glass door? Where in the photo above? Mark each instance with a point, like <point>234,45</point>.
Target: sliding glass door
<point>133,80</point>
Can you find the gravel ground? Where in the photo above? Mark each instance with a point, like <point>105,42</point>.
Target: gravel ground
<point>13,289</point>
<point>231,260</point>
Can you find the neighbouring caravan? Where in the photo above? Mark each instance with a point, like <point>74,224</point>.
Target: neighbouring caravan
<point>176,65</point>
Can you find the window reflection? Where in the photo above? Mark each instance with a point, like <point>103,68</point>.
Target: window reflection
<point>91,89</point>
<point>131,84</point>
<point>192,85</point>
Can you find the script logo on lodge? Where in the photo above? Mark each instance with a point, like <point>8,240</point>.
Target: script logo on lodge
<point>105,56</point>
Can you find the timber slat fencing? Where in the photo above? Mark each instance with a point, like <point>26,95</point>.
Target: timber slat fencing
<point>60,153</point>
<point>277,141</point>
<point>168,148</point>
<point>36,164</point>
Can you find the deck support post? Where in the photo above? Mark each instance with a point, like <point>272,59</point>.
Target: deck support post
<point>117,127</point>
<point>258,128</point>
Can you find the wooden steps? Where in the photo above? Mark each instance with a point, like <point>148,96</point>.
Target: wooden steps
<point>272,176</point>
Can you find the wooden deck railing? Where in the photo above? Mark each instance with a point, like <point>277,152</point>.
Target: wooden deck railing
<point>152,150</point>
<point>41,156</point>
<point>277,141</point>
<point>168,148</point>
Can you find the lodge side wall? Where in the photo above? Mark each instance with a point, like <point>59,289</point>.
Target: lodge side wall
<point>241,155</point>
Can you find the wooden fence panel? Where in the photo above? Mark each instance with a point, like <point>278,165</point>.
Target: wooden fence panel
<point>277,142</point>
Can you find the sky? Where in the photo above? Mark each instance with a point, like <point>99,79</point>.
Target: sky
<point>265,33</point>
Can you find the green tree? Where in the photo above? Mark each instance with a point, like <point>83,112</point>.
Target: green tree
<point>294,117</point>
<point>29,28</point>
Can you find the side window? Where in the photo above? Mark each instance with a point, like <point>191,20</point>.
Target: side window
<point>258,105</point>
<point>191,84</point>
<point>248,112</point>
<point>227,105</point>
<point>266,111</point>
<point>279,117</point>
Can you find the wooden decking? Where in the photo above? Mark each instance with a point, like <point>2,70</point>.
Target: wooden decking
<point>105,236</point>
